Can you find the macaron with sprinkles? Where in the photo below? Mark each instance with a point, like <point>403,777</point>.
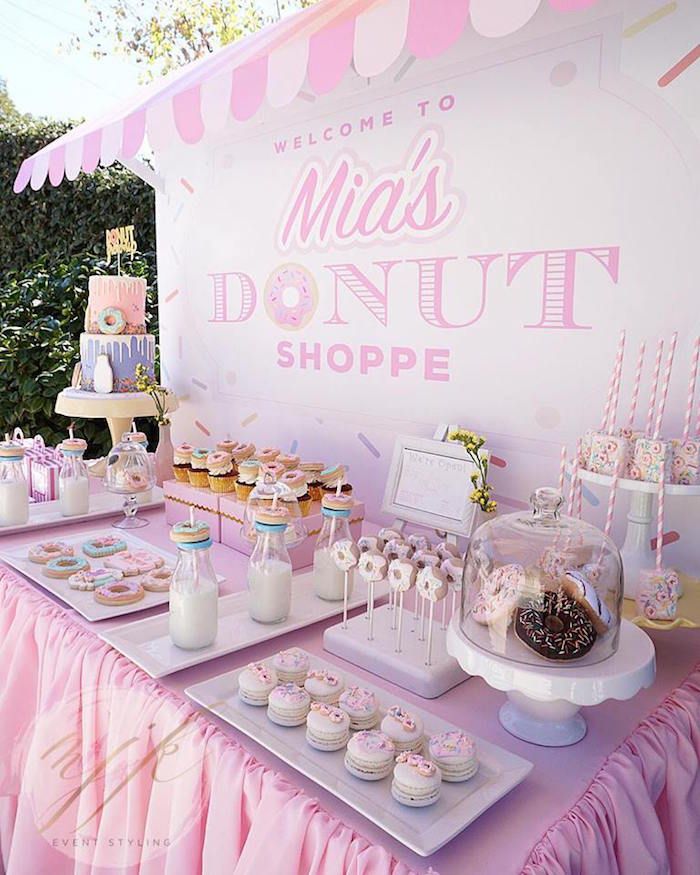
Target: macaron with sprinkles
<point>454,753</point>
<point>288,705</point>
<point>255,683</point>
<point>327,727</point>
<point>416,781</point>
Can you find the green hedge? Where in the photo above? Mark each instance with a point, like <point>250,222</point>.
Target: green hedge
<point>70,219</point>
<point>41,314</point>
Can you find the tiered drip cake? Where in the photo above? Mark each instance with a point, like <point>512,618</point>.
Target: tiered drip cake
<point>115,326</point>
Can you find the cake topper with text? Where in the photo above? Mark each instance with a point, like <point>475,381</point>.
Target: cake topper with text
<point>120,241</point>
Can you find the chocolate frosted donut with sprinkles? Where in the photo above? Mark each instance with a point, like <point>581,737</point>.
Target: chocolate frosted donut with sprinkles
<point>555,626</point>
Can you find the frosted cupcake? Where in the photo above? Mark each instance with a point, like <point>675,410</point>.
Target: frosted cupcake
<point>243,452</point>
<point>227,446</point>
<point>181,462</point>
<point>296,481</point>
<point>222,472</point>
<point>312,471</point>
<point>331,477</point>
<point>199,473</point>
<point>247,475</point>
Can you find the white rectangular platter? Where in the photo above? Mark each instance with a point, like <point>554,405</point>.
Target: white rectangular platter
<point>43,514</point>
<point>423,830</point>
<point>84,602</point>
<point>147,642</point>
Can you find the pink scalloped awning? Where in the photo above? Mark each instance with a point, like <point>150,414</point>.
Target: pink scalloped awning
<point>315,46</point>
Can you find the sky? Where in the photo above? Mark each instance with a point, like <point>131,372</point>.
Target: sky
<point>44,79</point>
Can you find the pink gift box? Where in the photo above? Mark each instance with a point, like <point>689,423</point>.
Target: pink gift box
<point>658,594</point>
<point>607,450</point>
<point>180,497</point>
<point>232,513</point>
<point>44,474</point>
<point>685,461</point>
<point>648,455</point>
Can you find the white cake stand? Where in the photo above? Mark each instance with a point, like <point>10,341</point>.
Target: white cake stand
<point>544,702</point>
<point>636,551</point>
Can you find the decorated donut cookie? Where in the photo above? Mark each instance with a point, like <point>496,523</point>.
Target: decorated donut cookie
<point>296,314</point>
<point>372,566</point>
<point>111,321</point>
<point>397,548</point>
<point>555,626</point>
<point>65,566</point>
<point>105,545</point>
<point>157,580</point>
<point>346,554</point>
<point>498,595</point>
<point>46,550</point>
<point>136,481</point>
<point>401,575</point>
<point>582,590</point>
<point>93,578</point>
<point>135,562</point>
<point>189,532</point>
<point>431,583</point>
<point>121,592</point>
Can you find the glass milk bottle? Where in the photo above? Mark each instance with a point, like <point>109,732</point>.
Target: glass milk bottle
<point>270,568</point>
<point>73,484</point>
<point>194,589</point>
<point>14,493</point>
<point>329,580</point>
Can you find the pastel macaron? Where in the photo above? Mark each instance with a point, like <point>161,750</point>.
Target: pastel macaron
<point>288,705</point>
<point>370,755</point>
<point>454,753</point>
<point>324,686</point>
<point>361,707</point>
<point>416,781</point>
<point>404,729</point>
<point>255,683</point>
<point>327,727</point>
<point>291,665</point>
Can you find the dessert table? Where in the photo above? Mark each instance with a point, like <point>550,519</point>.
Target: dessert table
<point>625,799</point>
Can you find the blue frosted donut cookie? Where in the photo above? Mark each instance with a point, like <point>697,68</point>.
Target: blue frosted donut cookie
<point>65,566</point>
<point>106,545</point>
<point>111,321</point>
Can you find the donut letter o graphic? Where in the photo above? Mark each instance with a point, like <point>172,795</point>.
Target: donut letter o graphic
<point>291,296</point>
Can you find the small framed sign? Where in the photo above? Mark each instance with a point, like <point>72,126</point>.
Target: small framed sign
<point>429,484</point>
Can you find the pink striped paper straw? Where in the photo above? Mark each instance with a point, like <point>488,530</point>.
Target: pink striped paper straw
<point>616,391</point>
<point>691,389</point>
<point>660,517</point>
<point>574,479</point>
<point>579,497</point>
<point>636,385</point>
<point>562,469</point>
<point>664,386</point>
<point>611,498</point>
<point>654,384</point>
<point>611,386</point>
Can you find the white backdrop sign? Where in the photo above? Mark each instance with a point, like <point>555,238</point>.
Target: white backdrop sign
<point>463,244</point>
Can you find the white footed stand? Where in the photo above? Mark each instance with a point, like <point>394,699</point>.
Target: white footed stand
<point>636,552</point>
<point>544,702</point>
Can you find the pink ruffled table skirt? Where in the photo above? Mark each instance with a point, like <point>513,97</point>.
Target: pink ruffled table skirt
<point>171,790</point>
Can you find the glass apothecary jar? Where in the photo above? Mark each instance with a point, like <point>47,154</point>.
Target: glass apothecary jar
<point>270,568</point>
<point>329,580</point>
<point>541,588</point>
<point>194,590</point>
<point>73,483</point>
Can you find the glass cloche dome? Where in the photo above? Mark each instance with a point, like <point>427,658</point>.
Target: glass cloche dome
<point>541,588</point>
<point>262,497</point>
<point>129,473</point>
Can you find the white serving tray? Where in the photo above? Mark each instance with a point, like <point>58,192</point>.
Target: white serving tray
<point>423,830</point>
<point>43,514</point>
<point>84,602</point>
<point>147,642</point>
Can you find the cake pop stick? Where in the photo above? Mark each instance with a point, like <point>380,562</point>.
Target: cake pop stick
<point>635,386</point>
<point>654,385</point>
<point>664,386</point>
<point>402,576</point>
<point>691,389</point>
<point>372,567</point>
<point>432,587</point>
<point>454,570</point>
<point>611,386</point>
<point>346,555</point>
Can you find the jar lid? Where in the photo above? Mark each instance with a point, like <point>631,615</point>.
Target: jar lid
<point>73,446</point>
<point>335,502</point>
<point>271,516</point>
<point>11,450</point>
<point>188,532</point>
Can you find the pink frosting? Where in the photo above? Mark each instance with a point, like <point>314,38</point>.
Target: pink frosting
<point>290,693</point>
<point>451,744</point>
<point>335,715</point>
<point>417,762</point>
<point>407,720</point>
<point>371,741</point>
<point>359,699</point>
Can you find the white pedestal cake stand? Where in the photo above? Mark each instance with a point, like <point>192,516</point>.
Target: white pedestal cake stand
<point>544,702</point>
<point>118,408</point>
<point>636,551</point>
